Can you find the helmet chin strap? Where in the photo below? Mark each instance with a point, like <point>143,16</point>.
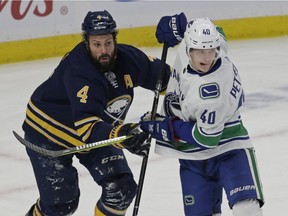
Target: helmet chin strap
<point>191,65</point>
<point>213,63</point>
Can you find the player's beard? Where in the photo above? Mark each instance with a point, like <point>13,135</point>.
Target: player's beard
<point>106,66</point>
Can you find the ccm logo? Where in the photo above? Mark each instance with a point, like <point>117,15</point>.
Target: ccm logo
<point>112,158</point>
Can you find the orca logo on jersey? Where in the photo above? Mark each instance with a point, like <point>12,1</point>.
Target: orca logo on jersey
<point>171,105</point>
<point>210,90</point>
<point>118,107</point>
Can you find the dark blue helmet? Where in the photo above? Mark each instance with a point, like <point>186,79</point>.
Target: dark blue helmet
<point>98,23</point>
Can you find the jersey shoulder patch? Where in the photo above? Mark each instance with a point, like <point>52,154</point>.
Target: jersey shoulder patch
<point>171,105</point>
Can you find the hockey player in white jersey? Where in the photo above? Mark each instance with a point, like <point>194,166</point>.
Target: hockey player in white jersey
<point>201,124</point>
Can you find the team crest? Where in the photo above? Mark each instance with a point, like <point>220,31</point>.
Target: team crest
<point>172,105</point>
<point>189,200</point>
<point>118,107</point>
<point>210,90</point>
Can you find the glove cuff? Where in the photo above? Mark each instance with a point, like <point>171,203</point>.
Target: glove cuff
<point>182,20</point>
<point>115,133</point>
<point>174,137</point>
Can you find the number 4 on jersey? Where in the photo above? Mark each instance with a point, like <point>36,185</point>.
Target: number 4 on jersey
<point>82,94</point>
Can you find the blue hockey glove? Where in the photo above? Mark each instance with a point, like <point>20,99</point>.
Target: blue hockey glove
<point>161,128</point>
<point>170,29</point>
<point>136,144</point>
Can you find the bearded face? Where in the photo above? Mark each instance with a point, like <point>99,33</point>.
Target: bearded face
<point>103,51</point>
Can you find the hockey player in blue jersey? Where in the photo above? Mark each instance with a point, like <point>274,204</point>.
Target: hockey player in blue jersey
<point>201,124</point>
<point>85,100</point>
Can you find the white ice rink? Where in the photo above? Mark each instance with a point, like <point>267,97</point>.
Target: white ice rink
<point>263,65</point>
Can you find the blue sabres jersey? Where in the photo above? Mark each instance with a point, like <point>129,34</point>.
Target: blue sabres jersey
<point>80,104</point>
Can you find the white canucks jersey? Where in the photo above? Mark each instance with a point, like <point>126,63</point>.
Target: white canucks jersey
<point>210,101</point>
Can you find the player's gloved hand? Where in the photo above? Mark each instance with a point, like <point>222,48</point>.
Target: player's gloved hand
<point>161,128</point>
<point>136,144</point>
<point>170,29</point>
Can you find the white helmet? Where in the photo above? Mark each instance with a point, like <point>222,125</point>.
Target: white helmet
<point>201,33</point>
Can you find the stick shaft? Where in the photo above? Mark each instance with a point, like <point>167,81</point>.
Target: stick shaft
<point>77,149</point>
<point>153,114</point>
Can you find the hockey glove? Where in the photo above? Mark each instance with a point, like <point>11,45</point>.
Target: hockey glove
<point>136,144</point>
<point>161,128</point>
<point>170,29</point>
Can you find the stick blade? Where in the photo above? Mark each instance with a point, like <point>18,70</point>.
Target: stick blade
<point>34,147</point>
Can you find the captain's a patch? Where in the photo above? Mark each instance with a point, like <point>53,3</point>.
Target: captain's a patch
<point>210,90</point>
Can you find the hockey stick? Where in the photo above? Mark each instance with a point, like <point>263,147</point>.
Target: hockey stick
<point>77,149</point>
<point>153,114</point>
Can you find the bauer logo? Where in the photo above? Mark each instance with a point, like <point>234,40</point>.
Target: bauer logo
<point>242,188</point>
<point>210,90</point>
<point>189,200</point>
